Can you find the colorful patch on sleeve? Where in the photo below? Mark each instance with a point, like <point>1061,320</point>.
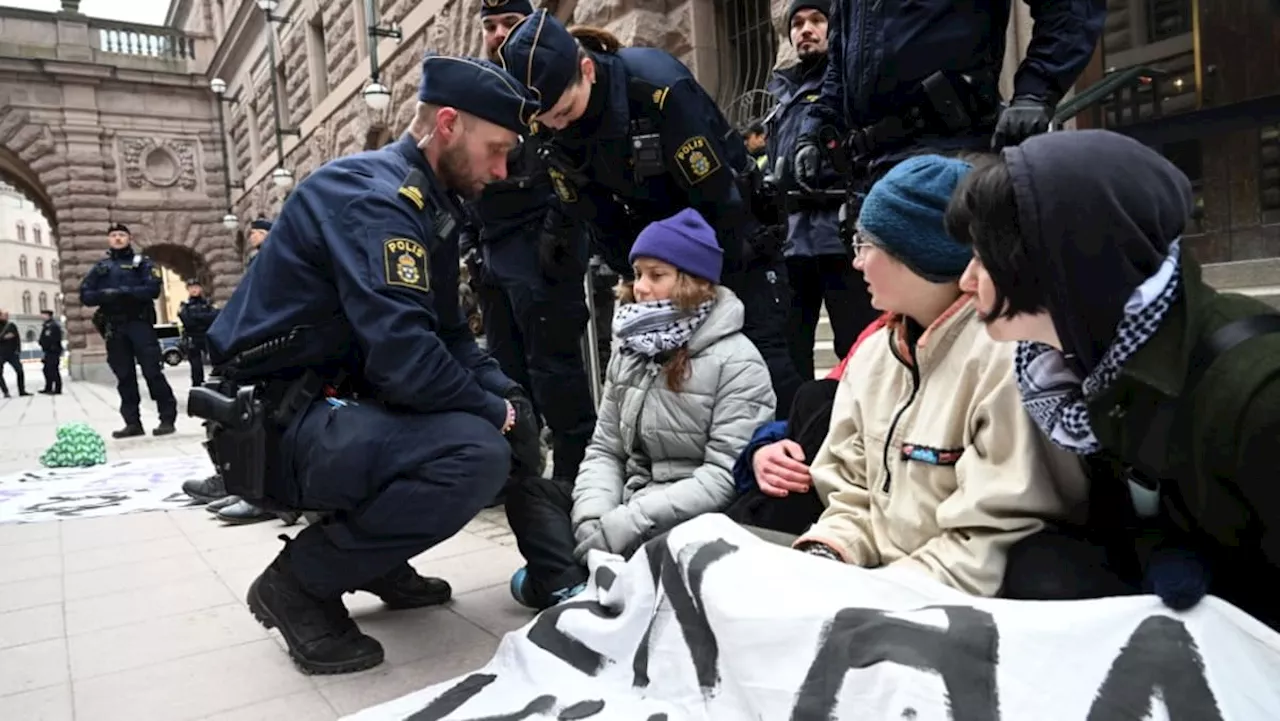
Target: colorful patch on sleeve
<point>564,189</point>
<point>931,456</point>
<point>405,262</point>
<point>697,160</point>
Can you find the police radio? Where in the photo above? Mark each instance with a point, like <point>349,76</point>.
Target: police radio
<point>646,149</point>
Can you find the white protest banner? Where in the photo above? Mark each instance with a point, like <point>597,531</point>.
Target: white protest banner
<point>709,622</point>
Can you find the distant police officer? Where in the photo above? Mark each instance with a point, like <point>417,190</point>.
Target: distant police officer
<point>51,347</point>
<point>534,318</point>
<point>124,286</point>
<point>258,231</point>
<point>906,76</point>
<point>637,140</point>
<point>360,282</point>
<point>819,268</point>
<point>197,315</point>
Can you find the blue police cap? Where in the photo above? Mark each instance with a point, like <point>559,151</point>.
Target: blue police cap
<point>502,7</point>
<point>118,227</point>
<point>478,87</point>
<point>260,224</point>
<point>542,54</point>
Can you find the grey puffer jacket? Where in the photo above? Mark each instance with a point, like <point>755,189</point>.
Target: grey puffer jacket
<point>659,458</point>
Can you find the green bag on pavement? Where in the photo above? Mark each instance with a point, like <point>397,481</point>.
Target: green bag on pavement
<point>78,446</point>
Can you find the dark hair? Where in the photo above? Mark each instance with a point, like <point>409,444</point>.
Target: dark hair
<point>597,40</point>
<point>983,212</point>
<point>755,128</point>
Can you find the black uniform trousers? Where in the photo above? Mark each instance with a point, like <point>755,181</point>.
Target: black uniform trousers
<point>397,483</point>
<point>135,342</point>
<point>52,372</point>
<point>829,279</point>
<point>766,298</point>
<point>14,361</point>
<point>539,511</point>
<point>195,358</point>
<point>534,328</point>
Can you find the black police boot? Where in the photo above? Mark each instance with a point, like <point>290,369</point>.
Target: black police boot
<point>129,431</point>
<point>404,588</point>
<point>321,636</point>
<point>207,490</point>
<point>243,513</point>
<point>164,429</point>
<point>221,503</point>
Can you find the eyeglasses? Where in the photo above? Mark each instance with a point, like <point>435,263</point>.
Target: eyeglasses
<point>858,246</point>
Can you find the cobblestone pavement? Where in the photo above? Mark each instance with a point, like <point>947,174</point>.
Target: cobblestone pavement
<point>142,616</point>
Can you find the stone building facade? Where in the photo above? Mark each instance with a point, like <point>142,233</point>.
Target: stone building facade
<point>28,264</point>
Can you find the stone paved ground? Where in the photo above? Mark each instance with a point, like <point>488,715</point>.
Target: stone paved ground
<point>142,616</point>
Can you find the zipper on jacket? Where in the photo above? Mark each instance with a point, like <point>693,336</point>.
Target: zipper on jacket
<point>897,416</point>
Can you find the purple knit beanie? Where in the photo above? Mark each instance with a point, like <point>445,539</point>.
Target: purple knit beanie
<point>683,240</point>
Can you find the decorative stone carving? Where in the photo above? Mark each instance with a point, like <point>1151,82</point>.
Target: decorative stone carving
<point>158,162</point>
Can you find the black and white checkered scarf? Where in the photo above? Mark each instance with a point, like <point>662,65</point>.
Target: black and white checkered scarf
<point>652,327</point>
<point>1053,393</point>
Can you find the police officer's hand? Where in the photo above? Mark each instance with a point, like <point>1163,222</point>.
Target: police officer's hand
<point>525,434</point>
<point>1027,115</point>
<point>807,162</point>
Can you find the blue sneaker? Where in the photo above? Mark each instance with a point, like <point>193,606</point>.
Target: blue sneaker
<point>520,590</point>
<point>565,594</point>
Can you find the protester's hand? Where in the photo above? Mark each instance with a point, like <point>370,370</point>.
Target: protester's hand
<point>780,469</point>
<point>590,535</point>
<point>1026,115</point>
<point>808,160</point>
<point>525,434</point>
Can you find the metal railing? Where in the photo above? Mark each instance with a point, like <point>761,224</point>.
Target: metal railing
<point>141,41</point>
<point>748,52</point>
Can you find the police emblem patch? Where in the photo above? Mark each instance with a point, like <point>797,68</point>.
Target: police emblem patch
<point>564,190</point>
<point>405,262</point>
<point>697,160</point>
<point>155,272</point>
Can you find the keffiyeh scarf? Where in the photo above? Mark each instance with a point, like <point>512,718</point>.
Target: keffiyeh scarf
<point>1053,393</point>
<point>652,327</point>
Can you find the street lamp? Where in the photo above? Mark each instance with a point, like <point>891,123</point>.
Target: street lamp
<point>376,95</point>
<point>282,177</point>
<point>219,88</point>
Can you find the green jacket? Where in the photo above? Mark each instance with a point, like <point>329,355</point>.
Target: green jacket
<point>1221,453</point>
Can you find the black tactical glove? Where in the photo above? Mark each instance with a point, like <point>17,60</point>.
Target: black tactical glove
<point>808,160</point>
<point>1027,115</point>
<point>558,258</point>
<point>525,436</point>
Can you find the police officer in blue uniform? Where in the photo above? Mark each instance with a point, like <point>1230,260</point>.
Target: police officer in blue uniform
<point>923,77</point>
<point>637,139</point>
<point>416,428</point>
<point>534,318</point>
<point>196,314</point>
<point>124,287</point>
<point>259,229</point>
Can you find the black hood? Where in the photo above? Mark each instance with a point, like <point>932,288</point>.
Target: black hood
<point>1098,211</point>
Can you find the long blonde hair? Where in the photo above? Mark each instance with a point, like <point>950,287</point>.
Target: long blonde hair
<point>688,293</point>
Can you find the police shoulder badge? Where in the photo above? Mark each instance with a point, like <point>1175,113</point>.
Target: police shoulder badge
<point>405,263</point>
<point>155,271</point>
<point>660,97</point>
<point>696,159</point>
<point>564,189</point>
<point>412,189</point>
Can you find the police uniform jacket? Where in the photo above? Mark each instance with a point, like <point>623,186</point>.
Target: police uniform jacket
<point>813,231</point>
<point>51,338</point>
<point>364,262</point>
<point>880,52</point>
<point>125,284</point>
<point>197,314</point>
<point>600,179</point>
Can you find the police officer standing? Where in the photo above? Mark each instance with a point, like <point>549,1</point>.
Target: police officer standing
<point>51,347</point>
<point>359,290</point>
<point>925,77</point>
<point>818,266</point>
<point>196,314</point>
<point>637,139</point>
<point>534,316</point>
<point>124,286</point>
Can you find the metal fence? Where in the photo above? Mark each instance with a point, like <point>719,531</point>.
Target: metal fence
<point>748,48</point>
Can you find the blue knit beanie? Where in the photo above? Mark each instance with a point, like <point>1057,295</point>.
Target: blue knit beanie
<point>903,214</point>
<point>683,240</point>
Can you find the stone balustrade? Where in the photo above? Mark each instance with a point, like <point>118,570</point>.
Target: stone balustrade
<point>144,41</point>
<point>71,36</point>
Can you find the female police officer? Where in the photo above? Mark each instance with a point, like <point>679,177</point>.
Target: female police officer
<point>636,139</point>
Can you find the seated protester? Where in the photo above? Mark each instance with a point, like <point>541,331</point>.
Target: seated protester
<point>1077,256</point>
<point>682,396</point>
<point>772,474</point>
<point>930,462</point>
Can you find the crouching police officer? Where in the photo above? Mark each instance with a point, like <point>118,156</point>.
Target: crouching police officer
<point>124,287</point>
<point>358,388</point>
<point>638,140</point>
<point>534,320</point>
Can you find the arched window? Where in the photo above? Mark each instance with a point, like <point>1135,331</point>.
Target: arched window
<point>22,231</point>
<point>22,266</point>
<point>31,335</point>
<point>35,233</point>
<point>39,267</point>
<point>53,269</point>
<point>57,305</point>
<point>44,302</point>
<point>26,302</point>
